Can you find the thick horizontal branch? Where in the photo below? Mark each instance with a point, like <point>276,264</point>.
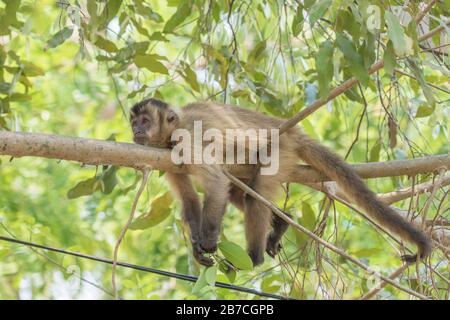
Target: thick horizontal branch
<point>101,152</point>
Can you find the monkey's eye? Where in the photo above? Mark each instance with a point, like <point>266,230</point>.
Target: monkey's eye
<point>145,121</point>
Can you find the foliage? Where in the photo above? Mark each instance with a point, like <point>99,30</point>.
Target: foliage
<point>76,67</point>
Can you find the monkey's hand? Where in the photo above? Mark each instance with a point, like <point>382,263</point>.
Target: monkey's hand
<point>198,253</point>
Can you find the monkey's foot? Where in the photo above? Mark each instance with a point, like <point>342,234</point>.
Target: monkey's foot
<point>273,246</point>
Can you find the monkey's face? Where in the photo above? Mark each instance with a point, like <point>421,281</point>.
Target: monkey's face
<point>141,126</point>
<point>152,123</point>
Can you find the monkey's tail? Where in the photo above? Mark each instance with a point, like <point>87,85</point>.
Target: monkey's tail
<point>331,165</point>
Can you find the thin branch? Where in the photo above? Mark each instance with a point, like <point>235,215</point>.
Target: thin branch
<point>345,86</point>
<point>383,284</point>
<point>429,84</point>
<point>146,171</point>
<point>425,11</point>
<point>399,195</point>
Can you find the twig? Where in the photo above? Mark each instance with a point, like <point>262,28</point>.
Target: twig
<point>146,172</point>
<point>383,284</point>
<point>424,12</point>
<point>395,196</point>
<point>436,186</point>
<point>413,77</point>
<point>345,86</point>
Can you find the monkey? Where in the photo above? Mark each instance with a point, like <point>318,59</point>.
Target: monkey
<point>153,122</point>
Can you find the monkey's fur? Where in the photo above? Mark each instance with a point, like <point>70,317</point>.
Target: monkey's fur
<point>153,122</point>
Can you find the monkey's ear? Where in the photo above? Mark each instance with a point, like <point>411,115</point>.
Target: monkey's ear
<point>172,116</point>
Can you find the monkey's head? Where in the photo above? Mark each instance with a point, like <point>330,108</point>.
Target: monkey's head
<point>153,122</point>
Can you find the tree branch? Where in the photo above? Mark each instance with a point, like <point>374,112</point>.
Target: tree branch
<point>350,82</point>
<point>402,194</point>
<point>100,152</point>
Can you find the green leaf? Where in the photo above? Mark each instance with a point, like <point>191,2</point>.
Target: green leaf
<point>32,70</point>
<point>59,37</point>
<point>19,97</point>
<point>318,10</point>
<point>353,95</point>
<point>324,66</point>
<point>200,283</point>
<point>5,87</point>
<point>9,16</point>
<point>159,211</point>
<point>353,58</point>
<point>102,58</point>
<point>423,84</point>
<point>367,252</point>
<point>424,111</point>
<point>158,36</point>
<point>236,255</point>
<point>257,51</point>
<point>83,188</point>
<point>130,51</point>
<point>389,59</point>
<point>183,11</point>
<point>189,76</point>
<point>105,44</point>
<point>4,108</point>
<point>396,34</point>
<point>109,11</point>
<point>210,275</point>
<point>135,92</point>
<point>140,28</point>
<point>109,179</point>
<point>229,271</point>
<point>267,284</point>
<point>308,218</point>
<point>375,152</point>
<point>297,22</point>
<point>149,62</point>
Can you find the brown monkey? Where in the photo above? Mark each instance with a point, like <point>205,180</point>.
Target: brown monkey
<point>153,123</point>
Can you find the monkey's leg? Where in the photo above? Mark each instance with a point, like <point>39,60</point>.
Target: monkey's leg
<point>216,186</point>
<point>257,222</point>
<point>181,185</point>
<point>237,197</point>
<point>273,241</point>
<point>279,226</point>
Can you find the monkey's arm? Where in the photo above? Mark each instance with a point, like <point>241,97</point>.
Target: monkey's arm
<point>216,186</point>
<point>181,185</point>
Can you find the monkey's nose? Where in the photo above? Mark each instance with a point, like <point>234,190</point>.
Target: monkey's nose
<point>138,131</point>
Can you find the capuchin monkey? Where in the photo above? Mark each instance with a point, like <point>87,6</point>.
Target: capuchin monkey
<point>153,122</point>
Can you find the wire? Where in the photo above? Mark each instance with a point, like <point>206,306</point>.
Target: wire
<point>184,277</point>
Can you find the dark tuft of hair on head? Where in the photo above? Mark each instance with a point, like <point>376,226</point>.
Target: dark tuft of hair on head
<point>158,103</point>
<point>139,107</point>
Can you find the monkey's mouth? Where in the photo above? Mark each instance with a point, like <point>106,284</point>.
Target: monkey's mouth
<point>140,138</point>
